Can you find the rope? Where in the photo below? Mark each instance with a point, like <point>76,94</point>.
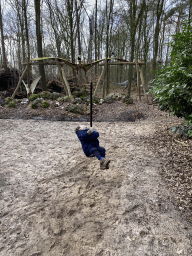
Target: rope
<point>91,86</point>
<point>91,38</point>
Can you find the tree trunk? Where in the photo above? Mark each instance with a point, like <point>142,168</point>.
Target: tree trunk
<point>39,43</point>
<point>71,34</point>
<point>2,41</point>
<point>70,16</point>
<point>27,40</point>
<point>79,42</point>
<point>19,49</point>
<point>107,51</point>
<point>78,30</point>
<point>133,28</point>
<point>26,28</point>
<point>146,45</point>
<point>22,37</point>
<point>108,18</point>
<point>156,34</point>
<point>20,15</point>
<point>54,27</point>
<point>96,51</point>
<point>190,10</point>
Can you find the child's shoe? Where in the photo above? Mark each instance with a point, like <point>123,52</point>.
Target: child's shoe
<point>104,164</point>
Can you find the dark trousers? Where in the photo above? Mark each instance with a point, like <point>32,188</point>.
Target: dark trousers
<point>98,152</point>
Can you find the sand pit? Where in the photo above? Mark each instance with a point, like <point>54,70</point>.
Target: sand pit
<point>55,201</point>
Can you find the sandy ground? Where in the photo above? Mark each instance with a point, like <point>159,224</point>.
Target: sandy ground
<point>55,201</point>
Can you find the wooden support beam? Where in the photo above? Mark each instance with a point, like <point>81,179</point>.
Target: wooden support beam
<point>67,84</point>
<point>104,86</point>
<point>19,83</point>
<point>44,63</point>
<point>63,63</point>
<point>28,71</point>
<point>143,82</point>
<point>123,63</point>
<point>99,80</point>
<point>138,85</point>
<point>67,89</point>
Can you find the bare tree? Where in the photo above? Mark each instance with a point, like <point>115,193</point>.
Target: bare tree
<point>159,10</point>
<point>39,43</point>
<point>54,25</point>
<point>96,35</point>
<point>134,21</point>
<point>71,27</point>
<point>109,14</point>
<point>24,6</point>
<point>78,28</point>
<point>2,41</point>
<point>128,32</point>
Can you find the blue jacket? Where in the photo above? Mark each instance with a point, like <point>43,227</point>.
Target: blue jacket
<point>88,141</point>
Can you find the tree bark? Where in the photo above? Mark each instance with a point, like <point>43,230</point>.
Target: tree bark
<point>26,28</point>
<point>2,41</point>
<point>39,43</point>
<point>79,41</point>
<point>71,34</point>
<point>27,40</point>
<point>156,34</point>
<point>108,18</point>
<point>96,51</point>
<point>133,28</point>
<point>54,27</point>
<point>70,16</point>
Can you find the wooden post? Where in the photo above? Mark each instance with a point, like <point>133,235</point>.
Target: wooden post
<point>138,85</point>
<point>104,87</point>
<point>67,84</point>
<point>143,82</point>
<point>67,89</point>
<point>28,72</point>
<point>99,80</point>
<point>19,83</point>
<point>108,76</point>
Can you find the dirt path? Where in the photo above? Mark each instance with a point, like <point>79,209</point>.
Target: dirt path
<point>54,201</point>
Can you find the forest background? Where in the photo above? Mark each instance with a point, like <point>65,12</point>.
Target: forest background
<point>127,29</point>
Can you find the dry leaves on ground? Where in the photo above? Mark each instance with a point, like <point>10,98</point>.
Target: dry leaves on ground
<point>175,153</point>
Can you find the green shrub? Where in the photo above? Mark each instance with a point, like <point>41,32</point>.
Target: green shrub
<point>45,95</point>
<point>11,104</point>
<point>60,99</point>
<point>183,130</point>
<point>112,97</point>
<point>55,95</point>
<point>64,99</point>
<point>33,97</point>
<point>84,92</point>
<point>45,104</point>
<point>37,101</point>
<point>8,100</point>
<point>77,94</point>
<point>172,89</point>
<point>94,100</point>
<point>127,100</point>
<point>75,109</point>
<point>34,106</point>
<point>77,100</point>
